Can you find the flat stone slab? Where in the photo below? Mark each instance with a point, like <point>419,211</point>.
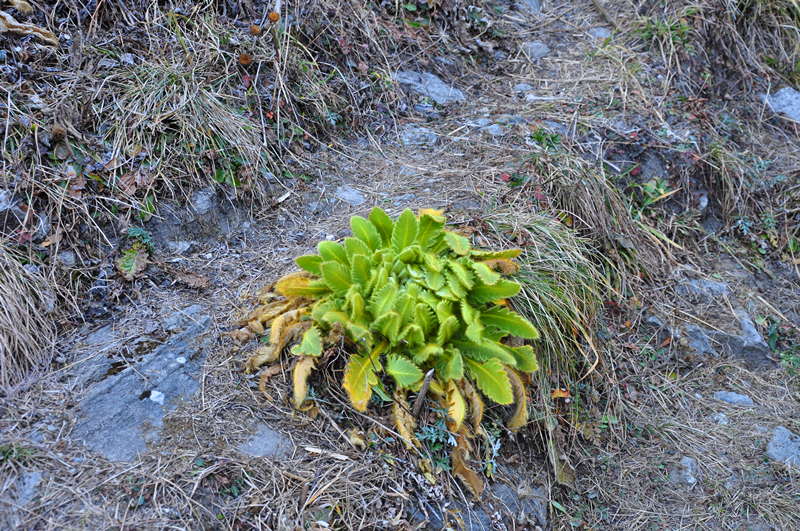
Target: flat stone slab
<point>535,50</point>
<point>786,101</point>
<point>120,414</point>
<point>350,195</point>
<point>266,442</point>
<point>413,135</point>
<point>429,85</point>
<point>734,399</point>
<point>784,446</point>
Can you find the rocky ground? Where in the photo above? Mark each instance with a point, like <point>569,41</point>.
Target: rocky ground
<point>148,420</point>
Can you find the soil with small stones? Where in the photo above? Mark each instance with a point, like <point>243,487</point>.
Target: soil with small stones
<point>672,457</point>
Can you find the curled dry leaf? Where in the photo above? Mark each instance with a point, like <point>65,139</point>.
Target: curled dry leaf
<point>459,457</point>
<point>302,370</point>
<point>404,420</point>
<point>21,5</point>
<point>520,416</point>
<point>9,25</point>
<point>476,406</point>
<point>266,374</point>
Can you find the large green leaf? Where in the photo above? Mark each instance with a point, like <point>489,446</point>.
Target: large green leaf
<point>413,335</point>
<point>492,379</point>
<point>431,350</point>
<point>310,263</point>
<point>487,255</point>
<point>355,304</point>
<point>508,321</point>
<point>526,359</point>
<point>354,246</point>
<point>463,274</point>
<point>361,271</point>
<point>404,372</point>
<point>405,307</point>
<point>459,244</point>
<point>425,318</point>
<point>311,345</point>
<point>383,224</point>
<point>388,324</point>
<point>332,252</point>
<point>336,276</point>
<point>405,231</point>
<point>487,350</point>
<point>456,288</point>
<point>485,273</point>
<point>383,300</point>
<point>366,232</point>
<point>474,332</point>
<point>502,290</point>
<point>450,365</point>
<point>447,328</point>
<point>434,280</point>
<point>430,231</point>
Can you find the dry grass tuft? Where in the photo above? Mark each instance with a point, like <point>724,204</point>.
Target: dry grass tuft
<point>27,332</point>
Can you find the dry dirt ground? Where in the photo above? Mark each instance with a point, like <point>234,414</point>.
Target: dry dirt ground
<point>631,467</point>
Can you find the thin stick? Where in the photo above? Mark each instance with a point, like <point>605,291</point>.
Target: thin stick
<point>422,392</point>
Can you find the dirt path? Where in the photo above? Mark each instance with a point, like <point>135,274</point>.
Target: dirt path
<point>223,455</point>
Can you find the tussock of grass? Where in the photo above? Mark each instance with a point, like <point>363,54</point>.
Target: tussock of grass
<point>27,333</point>
<point>187,128</point>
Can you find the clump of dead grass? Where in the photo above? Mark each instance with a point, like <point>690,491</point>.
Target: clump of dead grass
<point>27,331</point>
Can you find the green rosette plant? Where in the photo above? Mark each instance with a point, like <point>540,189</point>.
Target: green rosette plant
<point>412,300</point>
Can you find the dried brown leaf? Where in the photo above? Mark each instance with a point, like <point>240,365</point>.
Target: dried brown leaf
<point>9,24</point>
<point>459,457</point>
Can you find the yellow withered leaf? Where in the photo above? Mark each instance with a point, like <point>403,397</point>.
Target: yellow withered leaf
<point>293,333</point>
<point>298,279</point>
<point>404,420</point>
<point>359,376</point>
<point>357,439</point>
<point>302,370</point>
<point>282,322</point>
<point>520,416</point>
<point>503,264</point>
<point>266,375</point>
<point>256,326</point>
<point>266,354</point>
<point>475,401</point>
<point>271,311</point>
<point>459,457</point>
<point>456,407</point>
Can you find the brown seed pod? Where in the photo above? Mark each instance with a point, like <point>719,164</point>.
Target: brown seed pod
<point>255,31</point>
<point>57,133</point>
<point>245,59</point>
<point>274,17</point>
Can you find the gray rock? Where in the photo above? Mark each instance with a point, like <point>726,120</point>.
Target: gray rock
<point>749,347</point>
<point>784,446</point>
<point>429,85</point>
<point>67,259</point>
<point>522,87</point>
<point>698,340</point>
<point>734,399</point>
<point>348,194</point>
<point>495,130</point>
<point>510,119</point>
<point>526,506</point>
<point>786,101</point>
<point>600,33</point>
<point>177,319</point>
<point>533,6</point>
<point>720,418</point>
<point>405,198</point>
<point>704,290</point>
<point>535,50</point>
<point>413,135</point>
<point>557,127</point>
<point>13,500</point>
<point>684,475</point>
<point>180,247</point>
<point>119,415</point>
<point>209,215</point>
<point>480,122</point>
<point>202,200</point>
<point>266,442</point>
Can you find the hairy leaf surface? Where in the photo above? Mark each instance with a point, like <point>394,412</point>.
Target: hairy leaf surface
<point>492,380</point>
